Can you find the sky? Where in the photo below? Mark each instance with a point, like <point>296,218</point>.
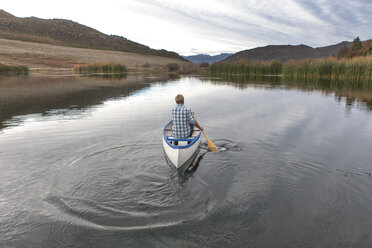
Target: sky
<point>191,27</point>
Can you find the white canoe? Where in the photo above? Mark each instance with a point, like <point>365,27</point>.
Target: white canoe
<point>180,152</point>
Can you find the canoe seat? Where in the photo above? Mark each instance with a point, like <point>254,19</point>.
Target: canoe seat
<point>180,142</point>
<point>175,139</point>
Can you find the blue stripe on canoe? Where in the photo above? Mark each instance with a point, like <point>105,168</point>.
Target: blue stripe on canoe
<point>167,139</point>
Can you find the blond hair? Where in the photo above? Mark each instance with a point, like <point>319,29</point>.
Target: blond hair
<point>179,99</point>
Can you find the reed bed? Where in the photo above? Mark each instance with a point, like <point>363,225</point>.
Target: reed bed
<point>245,67</point>
<point>9,70</point>
<point>355,71</point>
<point>99,68</point>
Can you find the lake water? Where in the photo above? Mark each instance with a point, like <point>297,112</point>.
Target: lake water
<point>84,166</point>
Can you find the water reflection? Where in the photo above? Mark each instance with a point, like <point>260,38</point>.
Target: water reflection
<point>351,94</point>
<point>70,96</point>
<point>111,76</point>
<point>44,96</point>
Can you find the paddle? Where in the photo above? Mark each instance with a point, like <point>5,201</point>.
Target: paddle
<point>212,147</point>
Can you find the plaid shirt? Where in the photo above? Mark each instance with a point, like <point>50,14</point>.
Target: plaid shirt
<point>182,118</point>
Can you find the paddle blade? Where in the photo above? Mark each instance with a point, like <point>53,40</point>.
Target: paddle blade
<point>212,147</point>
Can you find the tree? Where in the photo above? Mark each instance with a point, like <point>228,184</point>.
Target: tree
<point>357,44</point>
<point>367,47</point>
<point>343,52</point>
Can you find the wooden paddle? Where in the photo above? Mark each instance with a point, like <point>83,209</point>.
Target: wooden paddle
<point>212,147</point>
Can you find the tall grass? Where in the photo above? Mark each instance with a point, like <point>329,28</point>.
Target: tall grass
<point>100,68</point>
<point>9,70</point>
<point>356,71</point>
<point>245,67</point>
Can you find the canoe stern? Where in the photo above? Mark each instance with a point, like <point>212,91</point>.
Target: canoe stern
<point>180,151</point>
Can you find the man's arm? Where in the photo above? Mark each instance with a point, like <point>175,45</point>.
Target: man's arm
<point>196,123</point>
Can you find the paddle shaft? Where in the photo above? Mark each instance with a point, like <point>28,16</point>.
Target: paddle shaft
<point>204,134</point>
<point>211,145</point>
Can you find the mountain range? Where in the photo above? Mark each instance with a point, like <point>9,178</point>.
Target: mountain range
<point>69,33</point>
<point>205,58</point>
<point>285,53</point>
<point>281,53</point>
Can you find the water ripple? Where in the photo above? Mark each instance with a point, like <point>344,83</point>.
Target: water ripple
<point>117,188</point>
<point>224,145</point>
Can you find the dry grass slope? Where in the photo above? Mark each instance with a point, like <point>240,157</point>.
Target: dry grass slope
<point>69,33</point>
<point>53,59</point>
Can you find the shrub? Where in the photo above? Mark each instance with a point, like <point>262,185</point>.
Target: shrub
<point>173,67</point>
<point>9,70</point>
<point>100,68</point>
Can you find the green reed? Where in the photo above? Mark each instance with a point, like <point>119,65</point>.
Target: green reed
<point>248,68</point>
<point>100,68</point>
<point>10,70</point>
<point>355,71</point>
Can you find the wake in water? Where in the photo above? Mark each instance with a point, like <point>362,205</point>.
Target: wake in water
<point>118,188</point>
<point>223,145</point>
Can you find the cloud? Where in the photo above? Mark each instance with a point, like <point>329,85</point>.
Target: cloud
<point>213,26</point>
<point>241,24</point>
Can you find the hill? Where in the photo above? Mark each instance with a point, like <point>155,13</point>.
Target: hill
<point>53,59</point>
<point>69,33</point>
<point>285,53</point>
<point>200,58</point>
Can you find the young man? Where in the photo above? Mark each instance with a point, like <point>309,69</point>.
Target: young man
<point>183,120</point>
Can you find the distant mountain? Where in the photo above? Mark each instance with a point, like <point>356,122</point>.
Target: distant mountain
<point>69,33</point>
<point>285,53</point>
<point>200,58</point>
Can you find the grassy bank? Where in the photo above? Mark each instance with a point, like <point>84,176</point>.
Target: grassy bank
<point>100,68</point>
<point>355,71</point>
<point>9,70</point>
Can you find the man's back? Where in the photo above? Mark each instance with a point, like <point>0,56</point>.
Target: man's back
<point>182,118</point>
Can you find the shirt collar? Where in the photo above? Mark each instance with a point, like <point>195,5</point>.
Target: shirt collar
<point>179,105</point>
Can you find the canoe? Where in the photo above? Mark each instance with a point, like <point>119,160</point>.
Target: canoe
<point>180,152</point>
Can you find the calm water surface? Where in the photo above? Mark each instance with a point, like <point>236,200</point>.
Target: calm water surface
<point>85,167</point>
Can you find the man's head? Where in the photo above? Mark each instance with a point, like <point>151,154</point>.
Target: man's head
<point>179,99</point>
